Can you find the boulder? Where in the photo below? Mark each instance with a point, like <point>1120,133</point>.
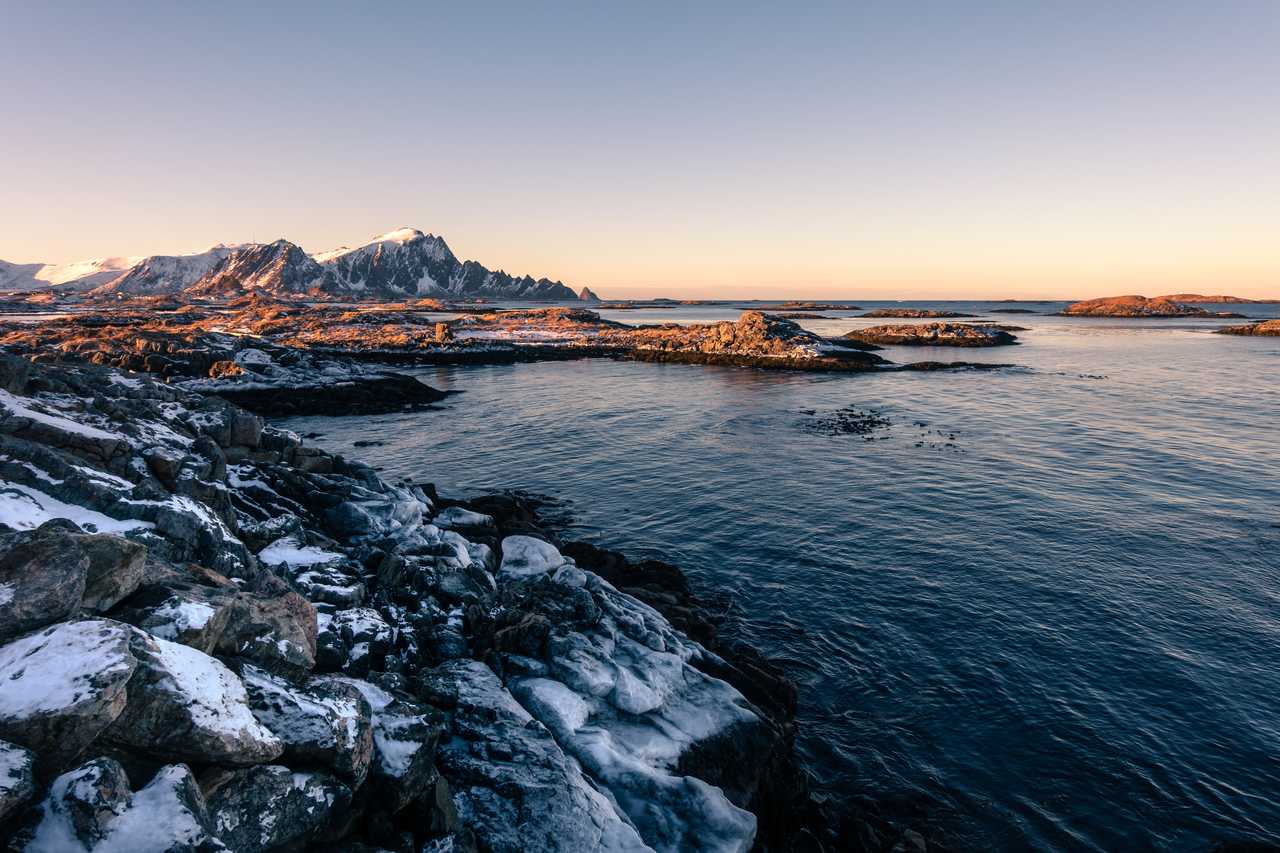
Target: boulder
<point>321,722</point>
<point>63,686</point>
<point>115,570</point>
<point>42,578</point>
<point>273,626</point>
<point>17,779</point>
<point>187,705</point>
<point>92,809</point>
<point>272,807</point>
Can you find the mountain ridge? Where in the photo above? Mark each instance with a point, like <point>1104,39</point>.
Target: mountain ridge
<point>402,263</point>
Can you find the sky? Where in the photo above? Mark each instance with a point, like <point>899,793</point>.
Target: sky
<point>851,150</point>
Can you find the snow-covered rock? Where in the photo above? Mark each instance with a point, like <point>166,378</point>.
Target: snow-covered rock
<point>92,810</point>
<point>186,705</point>
<point>63,686</point>
<point>17,779</point>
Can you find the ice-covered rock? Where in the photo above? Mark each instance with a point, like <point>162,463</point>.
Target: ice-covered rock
<point>186,705</point>
<point>92,810</point>
<point>17,779</point>
<point>324,721</point>
<point>525,556</point>
<point>512,783</point>
<point>63,686</point>
<point>461,518</point>
<point>270,807</point>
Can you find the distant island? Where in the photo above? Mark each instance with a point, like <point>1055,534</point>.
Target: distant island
<point>1138,306</point>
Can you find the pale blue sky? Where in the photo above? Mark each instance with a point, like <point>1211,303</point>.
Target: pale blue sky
<point>854,149</point>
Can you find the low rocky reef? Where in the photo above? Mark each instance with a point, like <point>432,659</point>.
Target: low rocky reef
<point>280,358</point>
<point>1264,328</point>
<point>1138,306</point>
<point>914,314</point>
<point>934,334</point>
<point>215,637</point>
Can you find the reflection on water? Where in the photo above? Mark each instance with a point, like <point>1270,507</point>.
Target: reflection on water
<point>1058,633</point>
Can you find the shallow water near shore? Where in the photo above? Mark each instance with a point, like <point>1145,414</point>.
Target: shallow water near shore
<point>1040,608</point>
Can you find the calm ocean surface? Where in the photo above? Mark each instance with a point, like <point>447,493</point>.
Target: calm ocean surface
<point>1058,630</point>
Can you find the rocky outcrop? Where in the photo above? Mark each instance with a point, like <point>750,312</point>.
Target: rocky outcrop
<point>934,335</point>
<point>263,646</point>
<point>1266,328</point>
<point>1133,306</point>
<point>587,295</point>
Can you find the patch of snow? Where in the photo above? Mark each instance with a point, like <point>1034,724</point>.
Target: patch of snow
<point>175,616</point>
<point>25,508</point>
<point>289,551</point>
<point>21,408</point>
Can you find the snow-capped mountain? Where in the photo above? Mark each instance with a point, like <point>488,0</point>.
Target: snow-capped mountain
<point>165,274</point>
<point>280,268</point>
<point>397,265</point>
<point>81,275</point>
<point>407,262</point>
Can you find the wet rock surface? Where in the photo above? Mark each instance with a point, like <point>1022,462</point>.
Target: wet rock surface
<point>258,645</point>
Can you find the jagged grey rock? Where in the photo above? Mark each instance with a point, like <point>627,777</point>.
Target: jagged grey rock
<point>270,807</point>
<point>42,578</point>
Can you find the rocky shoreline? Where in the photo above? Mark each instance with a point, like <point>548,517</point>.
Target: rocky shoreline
<point>216,637</point>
